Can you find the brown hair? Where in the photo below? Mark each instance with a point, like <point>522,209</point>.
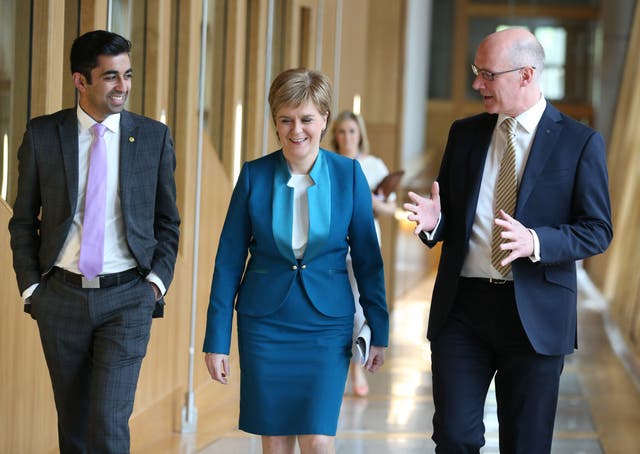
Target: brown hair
<point>295,87</point>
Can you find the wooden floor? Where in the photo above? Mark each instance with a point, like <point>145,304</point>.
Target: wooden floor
<point>598,411</point>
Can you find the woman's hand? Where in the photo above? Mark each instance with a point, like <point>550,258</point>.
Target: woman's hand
<point>383,206</point>
<point>218,365</point>
<point>376,358</point>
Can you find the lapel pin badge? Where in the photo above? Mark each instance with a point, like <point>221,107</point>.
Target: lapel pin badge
<point>132,139</point>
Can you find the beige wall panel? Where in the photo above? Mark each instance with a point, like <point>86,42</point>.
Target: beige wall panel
<point>384,61</point>
<point>234,77</point>
<point>164,370</point>
<point>353,54</point>
<point>164,375</point>
<point>93,15</point>
<point>216,193</point>
<point>328,38</point>
<point>255,96</point>
<point>27,413</point>
<point>617,268</point>
<point>158,43</point>
<point>382,103</point>
<point>48,57</point>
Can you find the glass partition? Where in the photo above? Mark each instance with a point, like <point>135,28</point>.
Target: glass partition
<point>568,47</point>
<point>15,63</point>
<point>128,18</point>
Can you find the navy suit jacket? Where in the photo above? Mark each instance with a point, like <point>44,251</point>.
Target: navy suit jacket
<point>259,222</point>
<point>563,196</point>
<point>48,190</point>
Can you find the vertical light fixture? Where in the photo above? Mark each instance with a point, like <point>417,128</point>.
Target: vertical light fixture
<point>237,142</point>
<point>109,14</point>
<point>267,76</point>
<point>5,165</point>
<point>356,104</point>
<point>337,56</point>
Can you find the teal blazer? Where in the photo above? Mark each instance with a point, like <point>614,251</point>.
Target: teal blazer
<point>259,222</point>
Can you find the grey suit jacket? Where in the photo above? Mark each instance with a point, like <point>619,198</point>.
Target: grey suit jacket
<point>48,189</point>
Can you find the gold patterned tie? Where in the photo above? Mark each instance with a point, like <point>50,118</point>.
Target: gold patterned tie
<point>506,192</point>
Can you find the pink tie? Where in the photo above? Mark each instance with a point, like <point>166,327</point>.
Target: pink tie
<point>92,244</point>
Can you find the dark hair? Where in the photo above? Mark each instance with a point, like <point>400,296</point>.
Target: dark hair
<point>86,49</point>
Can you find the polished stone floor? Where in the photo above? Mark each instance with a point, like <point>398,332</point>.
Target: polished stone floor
<point>396,416</point>
<point>598,409</point>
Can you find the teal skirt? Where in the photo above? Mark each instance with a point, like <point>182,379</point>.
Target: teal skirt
<point>294,365</point>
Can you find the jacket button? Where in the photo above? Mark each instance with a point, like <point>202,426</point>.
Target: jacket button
<point>294,267</point>
<point>304,267</point>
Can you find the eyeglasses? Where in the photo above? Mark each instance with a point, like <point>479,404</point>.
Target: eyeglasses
<point>490,76</point>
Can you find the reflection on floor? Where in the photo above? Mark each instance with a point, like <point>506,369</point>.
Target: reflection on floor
<point>598,411</point>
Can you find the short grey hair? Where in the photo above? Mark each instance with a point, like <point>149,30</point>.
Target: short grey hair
<point>528,52</point>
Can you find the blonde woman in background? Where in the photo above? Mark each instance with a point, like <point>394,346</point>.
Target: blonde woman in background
<point>349,138</point>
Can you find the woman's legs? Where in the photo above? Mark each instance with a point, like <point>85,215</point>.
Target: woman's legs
<point>309,444</point>
<point>278,445</point>
<point>359,383</point>
<point>316,444</point>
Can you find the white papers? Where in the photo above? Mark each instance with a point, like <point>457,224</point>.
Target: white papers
<point>363,342</point>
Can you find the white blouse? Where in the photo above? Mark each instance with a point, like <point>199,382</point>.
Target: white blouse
<point>300,233</point>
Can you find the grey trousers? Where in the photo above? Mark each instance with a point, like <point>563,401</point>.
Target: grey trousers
<point>94,341</point>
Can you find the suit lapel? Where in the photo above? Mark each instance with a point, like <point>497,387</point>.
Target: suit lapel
<point>319,197</point>
<point>475,167</point>
<point>128,146</point>
<point>543,144</point>
<point>282,224</point>
<point>68,130</point>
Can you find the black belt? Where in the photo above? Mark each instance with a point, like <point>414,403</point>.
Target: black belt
<point>102,281</point>
<point>486,280</point>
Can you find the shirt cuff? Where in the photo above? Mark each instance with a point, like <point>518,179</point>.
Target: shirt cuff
<point>535,257</point>
<point>428,236</point>
<point>29,291</point>
<point>153,277</point>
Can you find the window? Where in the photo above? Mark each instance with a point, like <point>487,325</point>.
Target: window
<point>15,68</point>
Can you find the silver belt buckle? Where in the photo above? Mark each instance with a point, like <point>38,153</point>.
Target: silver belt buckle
<point>93,283</point>
<point>493,280</point>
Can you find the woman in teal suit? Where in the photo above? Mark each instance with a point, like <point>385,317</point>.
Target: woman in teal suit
<point>296,211</point>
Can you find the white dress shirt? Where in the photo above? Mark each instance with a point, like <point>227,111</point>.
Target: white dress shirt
<point>478,260</point>
<point>116,252</point>
<point>117,256</point>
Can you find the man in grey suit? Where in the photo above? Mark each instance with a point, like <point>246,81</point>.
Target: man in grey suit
<point>94,236</point>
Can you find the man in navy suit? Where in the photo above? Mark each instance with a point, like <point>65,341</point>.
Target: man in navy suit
<point>515,321</point>
<point>94,302</point>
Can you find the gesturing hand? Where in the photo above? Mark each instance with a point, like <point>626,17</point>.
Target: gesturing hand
<point>519,239</point>
<point>424,211</point>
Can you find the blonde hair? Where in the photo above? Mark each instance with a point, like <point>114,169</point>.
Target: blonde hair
<point>295,87</point>
<point>363,145</point>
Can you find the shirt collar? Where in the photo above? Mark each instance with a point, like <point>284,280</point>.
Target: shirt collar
<point>530,118</point>
<point>112,122</point>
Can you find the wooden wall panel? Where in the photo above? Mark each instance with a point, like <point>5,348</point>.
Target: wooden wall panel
<point>617,269</point>
<point>164,376</point>
<point>48,57</point>
<point>27,413</point>
<point>353,55</point>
